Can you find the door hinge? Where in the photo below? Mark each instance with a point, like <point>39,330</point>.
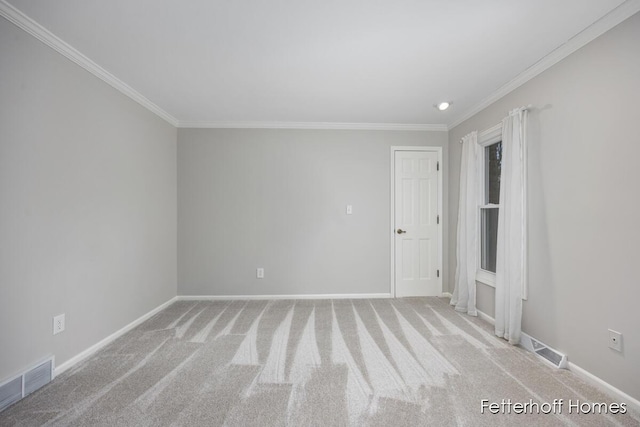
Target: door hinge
<point>437,273</point>
<point>438,166</point>
<point>438,219</point>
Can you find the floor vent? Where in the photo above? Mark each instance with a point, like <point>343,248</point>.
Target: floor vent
<point>547,353</point>
<point>26,383</point>
<point>10,392</point>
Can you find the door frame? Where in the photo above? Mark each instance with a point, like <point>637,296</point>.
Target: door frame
<point>392,203</point>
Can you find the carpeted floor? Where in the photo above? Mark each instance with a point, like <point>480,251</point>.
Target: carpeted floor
<point>322,363</point>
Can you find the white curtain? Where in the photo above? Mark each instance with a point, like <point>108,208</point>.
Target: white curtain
<point>464,293</point>
<point>511,248</point>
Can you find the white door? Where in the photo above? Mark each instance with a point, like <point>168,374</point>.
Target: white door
<point>417,270</point>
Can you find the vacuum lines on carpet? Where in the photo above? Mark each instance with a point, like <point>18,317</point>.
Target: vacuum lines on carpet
<point>305,362</point>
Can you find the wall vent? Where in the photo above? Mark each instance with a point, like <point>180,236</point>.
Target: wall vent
<point>25,383</point>
<point>545,352</point>
<point>10,392</point>
<point>37,377</point>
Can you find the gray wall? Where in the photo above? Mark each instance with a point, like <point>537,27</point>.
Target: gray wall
<point>276,199</point>
<point>87,205</point>
<point>584,203</point>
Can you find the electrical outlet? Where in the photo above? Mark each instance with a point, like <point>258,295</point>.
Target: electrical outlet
<point>58,324</point>
<point>349,210</point>
<point>260,273</point>
<point>615,340</point>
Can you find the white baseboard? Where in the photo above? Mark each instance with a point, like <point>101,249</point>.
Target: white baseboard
<point>605,387</point>
<point>94,348</point>
<point>446,295</point>
<point>264,297</point>
<point>484,316</point>
<point>615,393</point>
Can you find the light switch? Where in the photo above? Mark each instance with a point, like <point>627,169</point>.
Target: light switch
<point>349,209</point>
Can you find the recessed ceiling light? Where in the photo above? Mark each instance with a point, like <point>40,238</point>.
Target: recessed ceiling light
<point>443,105</point>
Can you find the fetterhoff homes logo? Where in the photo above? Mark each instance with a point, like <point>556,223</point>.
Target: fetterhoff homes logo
<point>506,406</point>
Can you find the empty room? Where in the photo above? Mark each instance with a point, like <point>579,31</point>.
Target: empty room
<point>296,213</point>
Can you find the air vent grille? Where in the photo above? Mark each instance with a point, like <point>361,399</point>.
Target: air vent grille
<point>550,355</point>
<point>547,353</point>
<point>27,382</point>
<point>10,392</point>
<point>37,377</point>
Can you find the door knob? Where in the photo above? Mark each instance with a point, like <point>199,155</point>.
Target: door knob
<point>400,231</point>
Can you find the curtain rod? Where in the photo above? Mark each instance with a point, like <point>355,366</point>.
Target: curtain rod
<point>528,107</point>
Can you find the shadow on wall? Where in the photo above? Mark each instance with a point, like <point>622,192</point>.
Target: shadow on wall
<point>540,269</point>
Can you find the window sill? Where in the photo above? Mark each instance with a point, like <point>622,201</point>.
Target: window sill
<point>486,277</point>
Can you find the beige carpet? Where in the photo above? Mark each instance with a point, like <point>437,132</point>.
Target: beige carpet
<point>322,363</point>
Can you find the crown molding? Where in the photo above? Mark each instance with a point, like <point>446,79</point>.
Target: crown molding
<point>601,26</point>
<point>610,20</point>
<point>15,16</point>
<point>314,126</point>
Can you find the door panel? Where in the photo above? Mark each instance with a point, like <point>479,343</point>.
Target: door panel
<point>416,212</point>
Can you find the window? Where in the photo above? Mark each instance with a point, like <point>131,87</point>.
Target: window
<point>489,211</point>
<point>491,142</point>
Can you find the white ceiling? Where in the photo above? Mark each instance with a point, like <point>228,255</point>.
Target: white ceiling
<point>340,61</point>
